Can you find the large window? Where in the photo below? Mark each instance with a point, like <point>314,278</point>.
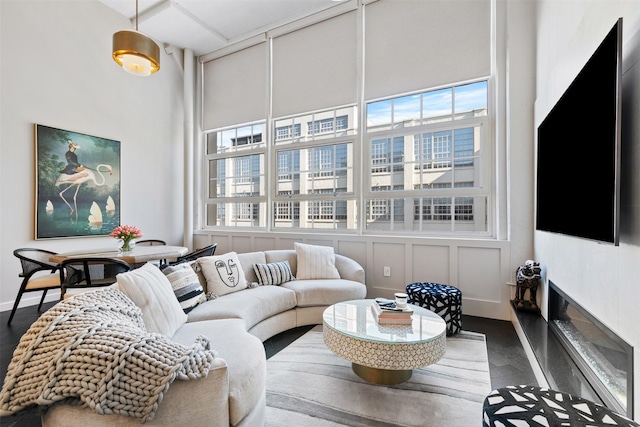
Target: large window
<point>424,167</point>
<point>315,170</point>
<point>236,194</point>
<point>427,153</point>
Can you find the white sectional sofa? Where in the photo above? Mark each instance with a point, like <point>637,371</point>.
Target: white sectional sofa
<point>233,393</point>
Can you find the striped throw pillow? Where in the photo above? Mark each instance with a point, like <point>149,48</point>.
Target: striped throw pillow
<point>275,273</point>
<point>186,286</point>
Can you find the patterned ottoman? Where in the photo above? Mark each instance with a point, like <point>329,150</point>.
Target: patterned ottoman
<point>444,300</point>
<point>534,406</point>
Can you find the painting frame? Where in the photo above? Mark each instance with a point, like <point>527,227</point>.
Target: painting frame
<point>77,184</point>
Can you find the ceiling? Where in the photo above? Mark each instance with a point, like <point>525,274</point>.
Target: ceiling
<point>208,25</point>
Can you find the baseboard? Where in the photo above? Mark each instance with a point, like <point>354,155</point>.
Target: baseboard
<point>533,360</point>
<point>31,299</point>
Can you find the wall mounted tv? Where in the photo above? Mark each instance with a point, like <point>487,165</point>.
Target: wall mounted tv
<point>578,162</point>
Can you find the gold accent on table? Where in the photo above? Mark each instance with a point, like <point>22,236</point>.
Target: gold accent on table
<point>381,376</point>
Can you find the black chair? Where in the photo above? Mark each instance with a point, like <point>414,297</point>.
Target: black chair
<point>151,242</point>
<point>33,261</point>
<point>192,256</point>
<point>83,273</point>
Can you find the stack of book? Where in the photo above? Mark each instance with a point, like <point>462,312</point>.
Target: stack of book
<point>385,312</point>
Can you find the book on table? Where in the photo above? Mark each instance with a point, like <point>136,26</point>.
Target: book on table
<point>390,314</point>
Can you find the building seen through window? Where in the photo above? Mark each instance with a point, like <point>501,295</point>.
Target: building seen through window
<point>424,167</point>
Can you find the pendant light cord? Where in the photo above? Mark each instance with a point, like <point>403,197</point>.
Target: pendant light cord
<point>136,15</point>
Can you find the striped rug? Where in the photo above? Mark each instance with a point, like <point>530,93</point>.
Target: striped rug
<point>309,386</point>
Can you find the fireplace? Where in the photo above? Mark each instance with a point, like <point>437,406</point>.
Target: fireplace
<point>605,359</point>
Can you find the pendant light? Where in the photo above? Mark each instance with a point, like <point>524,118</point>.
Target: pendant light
<point>135,52</point>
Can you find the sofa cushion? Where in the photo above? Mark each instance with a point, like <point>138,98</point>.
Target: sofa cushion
<point>274,273</point>
<point>325,292</point>
<point>316,262</point>
<point>278,255</point>
<point>150,290</point>
<point>246,262</point>
<point>223,273</point>
<point>251,305</point>
<point>186,285</point>
<point>245,357</point>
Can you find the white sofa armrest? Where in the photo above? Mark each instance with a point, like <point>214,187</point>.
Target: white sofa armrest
<point>198,402</point>
<point>349,269</point>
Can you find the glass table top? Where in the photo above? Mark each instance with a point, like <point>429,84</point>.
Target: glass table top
<point>354,318</point>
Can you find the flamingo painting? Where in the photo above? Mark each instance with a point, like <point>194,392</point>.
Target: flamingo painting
<point>79,178</point>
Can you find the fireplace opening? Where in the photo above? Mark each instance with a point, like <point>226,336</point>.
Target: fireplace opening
<point>605,359</point>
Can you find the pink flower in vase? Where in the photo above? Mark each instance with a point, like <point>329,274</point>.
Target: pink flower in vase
<point>126,233</point>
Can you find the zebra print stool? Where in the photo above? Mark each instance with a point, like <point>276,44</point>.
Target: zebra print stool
<point>527,405</point>
<point>444,300</point>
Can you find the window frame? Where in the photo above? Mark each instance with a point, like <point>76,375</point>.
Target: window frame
<point>275,204</point>
<point>454,192</point>
<point>256,204</point>
<point>316,143</point>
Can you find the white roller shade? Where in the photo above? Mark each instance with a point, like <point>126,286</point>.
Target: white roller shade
<point>316,67</point>
<point>412,45</point>
<point>235,88</point>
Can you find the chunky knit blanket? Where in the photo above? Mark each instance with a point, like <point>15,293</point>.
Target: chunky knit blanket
<point>93,350</point>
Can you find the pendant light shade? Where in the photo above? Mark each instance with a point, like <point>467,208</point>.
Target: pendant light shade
<point>136,53</point>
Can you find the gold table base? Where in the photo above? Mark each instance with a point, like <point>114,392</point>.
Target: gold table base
<point>382,376</point>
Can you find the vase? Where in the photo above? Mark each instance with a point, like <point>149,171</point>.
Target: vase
<point>127,245</point>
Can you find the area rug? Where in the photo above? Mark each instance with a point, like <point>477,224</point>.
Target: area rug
<point>308,385</point>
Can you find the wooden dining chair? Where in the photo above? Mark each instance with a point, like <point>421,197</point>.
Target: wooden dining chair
<point>82,274</point>
<point>35,262</point>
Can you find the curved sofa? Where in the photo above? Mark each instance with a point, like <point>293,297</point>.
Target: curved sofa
<point>234,392</point>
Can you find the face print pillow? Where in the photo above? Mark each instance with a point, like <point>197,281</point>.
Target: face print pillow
<point>223,273</point>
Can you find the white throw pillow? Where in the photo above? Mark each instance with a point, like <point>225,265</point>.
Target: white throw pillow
<point>223,273</point>
<point>315,262</point>
<point>150,290</point>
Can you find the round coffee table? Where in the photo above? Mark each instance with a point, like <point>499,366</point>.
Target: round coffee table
<point>383,353</point>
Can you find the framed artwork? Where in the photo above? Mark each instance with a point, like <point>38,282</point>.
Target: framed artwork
<point>77,184</point>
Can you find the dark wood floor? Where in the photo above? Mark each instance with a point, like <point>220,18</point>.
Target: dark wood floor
<point>508,362</point>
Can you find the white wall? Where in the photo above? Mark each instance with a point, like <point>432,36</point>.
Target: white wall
<point>600,277</point>
<point>57,71</point>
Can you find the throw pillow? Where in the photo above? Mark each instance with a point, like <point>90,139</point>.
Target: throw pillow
<point>315,262</point>
<point>185,284</point>
<point>223,273</point>
<point>275,273</point>
<point>150,290</point>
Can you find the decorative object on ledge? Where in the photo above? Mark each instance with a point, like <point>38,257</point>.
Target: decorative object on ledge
<point>136,53</point>
<point>126,234</point>
<point>527,277</point>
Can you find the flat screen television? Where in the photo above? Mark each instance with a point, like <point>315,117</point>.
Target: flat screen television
<point>578,160</point>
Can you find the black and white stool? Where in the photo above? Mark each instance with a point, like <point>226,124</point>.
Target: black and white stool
<point>526,405</point>
<point>444,300</point>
